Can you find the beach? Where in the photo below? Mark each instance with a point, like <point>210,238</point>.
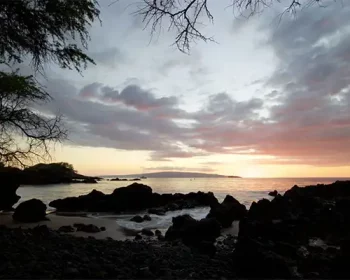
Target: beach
<point>113,230</point>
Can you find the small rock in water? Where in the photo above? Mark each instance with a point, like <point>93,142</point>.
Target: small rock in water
<point>147,232</point>
<point>66,229</point>
<point>147,218</point>
<point>274,193</point>
<point>102,228</point>
<point>137,219</point>
<point>158,232</point>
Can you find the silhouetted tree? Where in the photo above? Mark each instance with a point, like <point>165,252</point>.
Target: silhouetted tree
<point>41,31</point>
<point>185,16</point>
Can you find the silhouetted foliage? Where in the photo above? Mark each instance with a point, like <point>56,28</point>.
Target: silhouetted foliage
<point>41,31</point>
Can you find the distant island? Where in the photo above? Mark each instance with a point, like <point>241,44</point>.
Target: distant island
<point>171,174</point>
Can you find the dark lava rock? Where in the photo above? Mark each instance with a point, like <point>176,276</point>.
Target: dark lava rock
<point>135,197</point>
<point>254,260</point>
<point>90,181</point>
<point>147,232</point>
<point>147,218</point>
<point>102,228</point>
<point>30,211</point>
<point>273,193</point>
<point>137,219</point>
<point>10,181</point>
<point>66,229</point>
<point>90,228</point>
<point>228,211</point>
<point>191,231</point>
<point>157,232</point>
<point>138,237</point>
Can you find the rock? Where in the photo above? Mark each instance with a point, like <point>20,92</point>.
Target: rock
<point>138,237</point>
<point>273,193</point>
<point>90,228</point>
<point>206,247</point>
<point>228,211</point>
<point>71,272</point>
<point>254,260</point>
<point>147,232</point>
<point>135,197</point>
<point>191,231</point>
<point>66,229</point>
<point>90,181</point>
<point>102,228</point>
<point>160,237</point>
<point>137,219</point>
<point>147,218</point>
<point>10,182</point>
<point>157,232</point>
<point>30,211</point>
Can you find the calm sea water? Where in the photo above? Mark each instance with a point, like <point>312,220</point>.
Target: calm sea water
<point>244,190</point>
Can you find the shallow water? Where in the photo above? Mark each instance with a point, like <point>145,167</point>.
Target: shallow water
<point>244,190</point>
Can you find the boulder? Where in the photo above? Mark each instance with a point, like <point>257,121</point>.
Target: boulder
<point>147,218</point>
<point>138,237</point>
<point>273,193</point>
<point>228,211</point>
<point>147,232</point>
<point>255,260</point>
<point>134,197</point>
<point>10,182</point>
<point>66,229</point>
<point>90,228</point>
<point>137,219</point>
<point>191,231</point>
<point>30,211</point>
<point>90,181</point>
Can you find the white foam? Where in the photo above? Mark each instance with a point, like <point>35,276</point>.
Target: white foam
<point>158,222</point>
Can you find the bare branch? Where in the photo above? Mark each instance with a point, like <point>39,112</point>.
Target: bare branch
<point>184,16</point>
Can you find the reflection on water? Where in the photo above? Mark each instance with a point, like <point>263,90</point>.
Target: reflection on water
<point>245,190</point>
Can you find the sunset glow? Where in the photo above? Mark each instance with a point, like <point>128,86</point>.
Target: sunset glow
<point>269,100</point>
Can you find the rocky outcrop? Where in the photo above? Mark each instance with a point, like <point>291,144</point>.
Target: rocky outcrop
<point>9,183</point>
<point>134,197</point>
<point>30,211</point>
<point>300,234</point>
<point>198,234</point>
<point>228,211</point>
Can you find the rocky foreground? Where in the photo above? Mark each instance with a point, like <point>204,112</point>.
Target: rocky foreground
<point>304,233</point>
<point>42,253</point>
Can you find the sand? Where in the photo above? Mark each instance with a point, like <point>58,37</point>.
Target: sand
<point>113,230</point>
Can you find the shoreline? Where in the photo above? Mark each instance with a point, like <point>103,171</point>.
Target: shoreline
<point>113,230</point>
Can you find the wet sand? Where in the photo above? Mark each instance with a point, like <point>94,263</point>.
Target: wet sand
<point>113,230</point>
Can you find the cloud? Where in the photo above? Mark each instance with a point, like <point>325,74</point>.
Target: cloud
<point>110,57</point>
<point>301,117</point>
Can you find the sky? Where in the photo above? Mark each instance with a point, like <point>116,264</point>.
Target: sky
<point>270,98</point>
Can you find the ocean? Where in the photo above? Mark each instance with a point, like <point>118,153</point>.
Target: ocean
<point>245,190</point>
